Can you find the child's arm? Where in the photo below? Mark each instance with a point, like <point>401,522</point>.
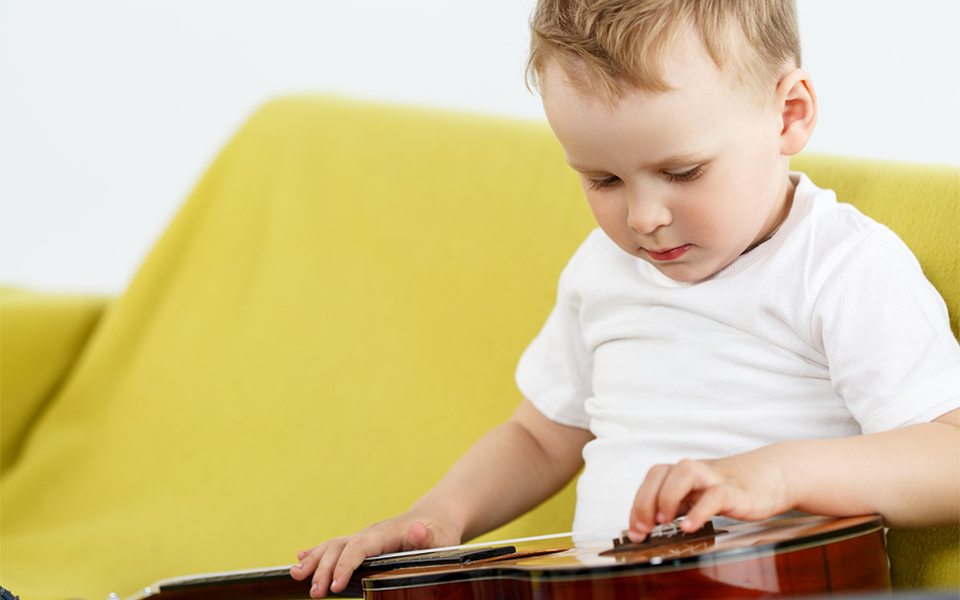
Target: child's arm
<point>508,471</point>
<point>910,476</point>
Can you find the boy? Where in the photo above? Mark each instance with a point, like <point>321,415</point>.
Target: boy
<point>725,308</point>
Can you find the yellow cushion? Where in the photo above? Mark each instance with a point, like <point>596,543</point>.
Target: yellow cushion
<point>331,320</point>
<point>41,337</point>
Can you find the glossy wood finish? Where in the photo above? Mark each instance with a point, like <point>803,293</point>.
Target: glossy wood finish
<point>807,556</point>
<point>790,557</point>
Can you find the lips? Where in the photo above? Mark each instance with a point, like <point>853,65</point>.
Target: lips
<point>669,254</point>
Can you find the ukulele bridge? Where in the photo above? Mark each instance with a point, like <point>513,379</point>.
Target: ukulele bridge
<point>663,535</point>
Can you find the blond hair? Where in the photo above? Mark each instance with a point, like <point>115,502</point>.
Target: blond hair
<point>613,46</point>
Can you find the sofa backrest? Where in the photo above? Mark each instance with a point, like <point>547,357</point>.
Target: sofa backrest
<point>333,318</point>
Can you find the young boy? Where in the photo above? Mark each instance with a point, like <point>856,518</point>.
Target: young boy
<point>731,341</point>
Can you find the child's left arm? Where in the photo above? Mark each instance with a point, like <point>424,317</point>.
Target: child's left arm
<point>910,476</point>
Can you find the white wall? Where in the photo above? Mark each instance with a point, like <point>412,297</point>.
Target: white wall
<point>111,110</point>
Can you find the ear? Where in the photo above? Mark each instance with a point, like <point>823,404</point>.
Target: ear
<point>797,102</point>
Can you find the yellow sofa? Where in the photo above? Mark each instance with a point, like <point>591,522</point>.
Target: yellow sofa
<point>331,320</point>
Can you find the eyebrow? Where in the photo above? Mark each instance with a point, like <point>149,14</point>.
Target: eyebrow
<point>686,158</point>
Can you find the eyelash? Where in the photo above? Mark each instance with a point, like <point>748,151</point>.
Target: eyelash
<point>602,184</point>
<point>684,177</point>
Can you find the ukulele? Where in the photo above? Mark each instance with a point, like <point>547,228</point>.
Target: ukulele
<point>806,555</point>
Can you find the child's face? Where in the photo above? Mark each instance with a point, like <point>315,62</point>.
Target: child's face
<point>686,180</point>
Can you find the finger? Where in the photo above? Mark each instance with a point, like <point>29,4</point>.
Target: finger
<point>715,500</point>
<point>685,483</point>
<point>325,566</point>
<point>304,553</point>
<point>351,557</point>
<point>643,513</point>
<point>308,562</point>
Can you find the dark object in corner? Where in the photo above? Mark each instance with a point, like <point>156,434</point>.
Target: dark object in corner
<point>6,594</point>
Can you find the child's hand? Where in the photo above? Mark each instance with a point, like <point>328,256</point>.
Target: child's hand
<point>332,563</point>
<point>746,486</point>
<point>508,471</point>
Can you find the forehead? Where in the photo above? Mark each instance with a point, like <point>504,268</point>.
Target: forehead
<point>702,107</point>
<point>640,127</point>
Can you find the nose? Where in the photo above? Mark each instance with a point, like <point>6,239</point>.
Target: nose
<point>647,213</point>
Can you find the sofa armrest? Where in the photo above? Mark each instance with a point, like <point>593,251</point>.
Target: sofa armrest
<point>41,336</point>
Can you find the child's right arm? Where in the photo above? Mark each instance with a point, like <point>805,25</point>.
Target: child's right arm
<point>510,470</point>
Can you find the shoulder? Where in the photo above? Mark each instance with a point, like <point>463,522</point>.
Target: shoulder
<point>881,326</point>
<point>831,237</point>
<point>828,222</point>
<point>830,259</point>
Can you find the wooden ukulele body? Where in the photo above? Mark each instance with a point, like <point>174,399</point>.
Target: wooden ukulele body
<point>808,555</point>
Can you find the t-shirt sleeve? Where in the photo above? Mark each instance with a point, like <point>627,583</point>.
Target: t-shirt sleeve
<point>554,372</point>
<point>886,335</point>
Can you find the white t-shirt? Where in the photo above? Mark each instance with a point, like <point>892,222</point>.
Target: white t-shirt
<point>826,330</point>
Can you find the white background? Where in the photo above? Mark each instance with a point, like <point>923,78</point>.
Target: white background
<point>111,110</point>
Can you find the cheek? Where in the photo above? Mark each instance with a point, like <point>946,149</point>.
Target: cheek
<point>605,210</point>
<point>733,204</point>
<point>705,214</point>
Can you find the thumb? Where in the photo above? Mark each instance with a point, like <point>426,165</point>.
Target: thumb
<point>419,536</point>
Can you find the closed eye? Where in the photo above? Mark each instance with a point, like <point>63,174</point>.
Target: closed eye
<point>601,184</point>
<point>683,176</point>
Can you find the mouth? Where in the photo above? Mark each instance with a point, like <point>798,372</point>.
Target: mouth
<point>669,254</point>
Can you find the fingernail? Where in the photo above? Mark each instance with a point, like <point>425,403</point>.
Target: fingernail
<point>661,518</point>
